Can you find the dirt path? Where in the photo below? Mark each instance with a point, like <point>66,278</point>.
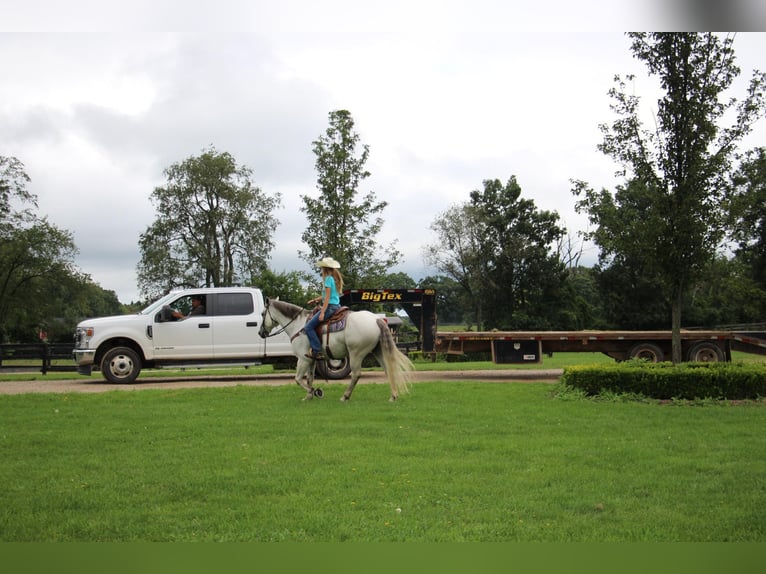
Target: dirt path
<point>96,384</point>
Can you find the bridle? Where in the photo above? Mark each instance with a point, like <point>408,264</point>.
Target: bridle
<point>282,328</point>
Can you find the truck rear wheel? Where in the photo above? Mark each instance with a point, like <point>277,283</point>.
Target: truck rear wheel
<point>705,353</point>
<point>121,365</point>
<point>647,351</point>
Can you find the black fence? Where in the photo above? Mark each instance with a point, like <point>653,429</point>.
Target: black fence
<point>41,356</point>
<point>36,356</point>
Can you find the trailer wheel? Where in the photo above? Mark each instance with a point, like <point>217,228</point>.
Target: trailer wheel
<point>647,351</point>
<point>334,369</point>
<point>705,353</point>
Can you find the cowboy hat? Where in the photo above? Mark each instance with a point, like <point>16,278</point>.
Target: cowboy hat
<point>328,262</point>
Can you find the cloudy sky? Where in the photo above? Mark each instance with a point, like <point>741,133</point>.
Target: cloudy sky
<point>445,93</point>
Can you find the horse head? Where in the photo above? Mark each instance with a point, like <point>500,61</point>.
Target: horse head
<point>267,320</point>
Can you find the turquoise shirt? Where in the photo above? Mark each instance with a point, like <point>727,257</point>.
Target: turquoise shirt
<point>329,282</point>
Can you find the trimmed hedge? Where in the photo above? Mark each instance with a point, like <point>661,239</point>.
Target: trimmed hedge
<point>731,381</point>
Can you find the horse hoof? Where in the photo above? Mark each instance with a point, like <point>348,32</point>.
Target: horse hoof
<point>318,393</point>
<point>344,399</point>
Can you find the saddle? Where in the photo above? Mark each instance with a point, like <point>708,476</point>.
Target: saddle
<point>332,325</point>
<point>337,322</point>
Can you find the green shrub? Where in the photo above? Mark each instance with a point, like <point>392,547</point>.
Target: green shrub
<point>732,381</point>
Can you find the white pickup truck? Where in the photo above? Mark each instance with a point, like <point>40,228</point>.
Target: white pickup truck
<point>167,335</point>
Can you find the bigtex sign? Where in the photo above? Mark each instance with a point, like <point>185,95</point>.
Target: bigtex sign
<point>378,296</point>
<point>414,296</point>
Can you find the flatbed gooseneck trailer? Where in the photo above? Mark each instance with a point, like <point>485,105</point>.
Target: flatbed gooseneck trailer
<point>529,346</point>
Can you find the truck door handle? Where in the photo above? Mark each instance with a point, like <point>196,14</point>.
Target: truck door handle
<point>252,324</point>
<point>204,325</point>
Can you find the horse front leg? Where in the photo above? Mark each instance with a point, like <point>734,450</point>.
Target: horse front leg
<point>305,370</point>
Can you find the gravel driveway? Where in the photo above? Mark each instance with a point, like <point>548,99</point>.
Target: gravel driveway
<point>96,384</point>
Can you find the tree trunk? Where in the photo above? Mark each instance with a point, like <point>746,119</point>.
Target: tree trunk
<point>676,324</point>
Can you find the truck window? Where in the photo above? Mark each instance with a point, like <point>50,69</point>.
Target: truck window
<point>234,304</point>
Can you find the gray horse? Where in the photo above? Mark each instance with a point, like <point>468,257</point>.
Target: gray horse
<point>364,333</point>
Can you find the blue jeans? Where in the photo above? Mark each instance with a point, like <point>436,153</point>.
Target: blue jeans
<point>313,323</point>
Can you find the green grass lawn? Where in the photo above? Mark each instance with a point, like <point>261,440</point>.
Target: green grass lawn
<point>557,361</point>
<point>452,461</point>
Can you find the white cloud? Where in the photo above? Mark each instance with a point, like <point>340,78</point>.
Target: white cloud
<point>446,94</point>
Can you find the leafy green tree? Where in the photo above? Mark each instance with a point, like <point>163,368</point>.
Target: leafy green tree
<point>671,208</point>
<point>456,253</point>
<point>500,249</point>
<point>34,255</point>
<point>288,286</point>
<point>748,213</point>
<point>726,294</point>
<point>13,185</point>
<point>629,296</point>
<point>522,275</point>
<point>581,304</point>
<point>214,227</point>
<point>451,308</point>
<point>67,300</point>
<point>397,280</point>
<point>341,223</point>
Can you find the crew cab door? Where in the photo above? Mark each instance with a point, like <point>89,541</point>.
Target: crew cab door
<point>237,321</point>
<point>236,326</point>
<point>187,338</point>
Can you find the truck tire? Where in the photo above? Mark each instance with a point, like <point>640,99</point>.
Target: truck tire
<point>121,365</point>
<point>705,352</point>
<point>647,351</point>
<point>334,368</point>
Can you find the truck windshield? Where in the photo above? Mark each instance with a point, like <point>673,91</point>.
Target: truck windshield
<point>157,305</point>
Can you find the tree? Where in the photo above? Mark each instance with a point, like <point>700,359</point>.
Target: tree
<point>450,304</point>
<point>340,223</point>
<point>670,214</point>
<point>37,268</point>
<point>398,280</point>
<point>725,294</point>
<point>287,286</point>
<point>457,254</point>
<point>523,275</point>
<point>32,257</point>
<point>748,212</point>
<point>214,227</point>
<point>500,248</point>
<point>13,184</point>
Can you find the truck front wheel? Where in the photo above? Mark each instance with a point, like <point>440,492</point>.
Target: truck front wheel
<point>121,365</point>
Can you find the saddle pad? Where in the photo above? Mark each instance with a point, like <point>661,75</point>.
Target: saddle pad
<point>334,326</point>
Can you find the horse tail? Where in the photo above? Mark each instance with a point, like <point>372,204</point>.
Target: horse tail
<point>396,363</point>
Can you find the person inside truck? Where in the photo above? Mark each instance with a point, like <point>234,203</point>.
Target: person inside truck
<point>197,308</point>
<point>332,283</point>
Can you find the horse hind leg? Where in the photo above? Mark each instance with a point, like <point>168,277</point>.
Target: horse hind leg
<point>356,372</point>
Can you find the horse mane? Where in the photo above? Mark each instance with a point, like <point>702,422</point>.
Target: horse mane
<point>286,308</point>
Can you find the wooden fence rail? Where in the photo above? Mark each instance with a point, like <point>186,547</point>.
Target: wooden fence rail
<point>28,356</point>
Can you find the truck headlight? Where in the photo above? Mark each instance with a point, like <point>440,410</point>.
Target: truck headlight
<point>83,335</point>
